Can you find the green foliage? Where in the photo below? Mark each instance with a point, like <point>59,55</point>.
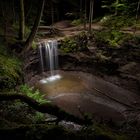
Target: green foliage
<point>1,31</point>
<point>35,94</point>
<point>21,113</point>
<point>118,6</point>
<point>77,22</point>
<point>27,31</point>
<point>34,46</point>
<point>113,37</point>
<point>123,7</point>
<point>74,44</point>
<point>16,28</point>
<point>69,45</point>
<point>117,22</point>
<point>38,117</point>
<point>106,131</point>
<point>10,68</point>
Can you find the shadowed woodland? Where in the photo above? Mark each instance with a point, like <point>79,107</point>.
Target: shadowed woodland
<point>91,47</point>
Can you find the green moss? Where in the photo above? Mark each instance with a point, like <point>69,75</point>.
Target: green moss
<point>34,46</point>
<point>69,45</point>
<point>114,38</point>
<point>77,22</point>
<point>10,68</point>
<point>27,31</point>
<point>74,44</point>
<point>1,31</point>
<point>105,131</point>
<point>52,131</point>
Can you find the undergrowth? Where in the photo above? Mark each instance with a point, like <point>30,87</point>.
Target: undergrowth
<point>74,44</point>
<point>113,37</point>
<point>77,22</point>
<point>10,68</point>
<point>34,94</point>
<point>117,22</point>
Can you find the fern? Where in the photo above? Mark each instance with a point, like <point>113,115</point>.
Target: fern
<point>35,94</point>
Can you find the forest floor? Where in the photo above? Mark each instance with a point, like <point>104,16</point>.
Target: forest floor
<point>65,29</point>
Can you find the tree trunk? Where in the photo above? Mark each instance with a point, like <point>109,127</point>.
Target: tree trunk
<point>31,37</point>
<point>91,14</point>
<point>137,12</point>
<point>116,7</point>
<point>85,15</point>
<point>80,11</point>
<point>4,15</point>
<point>13,10</point>
<point>52,12</point>
<point>29,10</point>
<point>21,21</point>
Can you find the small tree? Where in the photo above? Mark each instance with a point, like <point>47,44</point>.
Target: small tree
<point>114,6</point>
<point>137,12</point>
<point>31,37</point>
<point>85,14</point>
<point>91,14</point>
<point>21,21</point>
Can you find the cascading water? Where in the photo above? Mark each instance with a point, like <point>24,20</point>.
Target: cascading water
<point>52,56</point>
<point>49,59</point>
<point>41,57</point>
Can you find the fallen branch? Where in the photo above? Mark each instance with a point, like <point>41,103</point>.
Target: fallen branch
<point>49,108</point>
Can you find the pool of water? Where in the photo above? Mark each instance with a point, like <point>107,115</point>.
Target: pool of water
<point>63,83</point>
<point>70,90</point>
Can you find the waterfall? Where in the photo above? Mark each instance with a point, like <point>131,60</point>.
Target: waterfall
<point>41,57</point>
<point>49,58</point>
<point>52,56</point>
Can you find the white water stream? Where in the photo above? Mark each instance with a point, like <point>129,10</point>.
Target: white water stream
<point>49,59</point>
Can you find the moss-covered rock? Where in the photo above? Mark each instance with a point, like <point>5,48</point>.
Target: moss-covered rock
<point>74,44</point>
<point>10,68</point>
<point>55,132</point>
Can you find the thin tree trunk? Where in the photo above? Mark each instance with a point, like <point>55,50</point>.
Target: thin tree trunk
<point>13,10</point>
<point>5,20</point>
<point>21,21</point>
<point>85,15</point>
<point>116,8</point>
<point>137,12</point>
<point>91,14</point>
<point>52,12</point>
<point>31,37</point>
<point>29,10</point>
<point>80,10</point>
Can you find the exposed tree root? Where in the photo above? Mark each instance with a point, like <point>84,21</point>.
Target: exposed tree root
<point>44,108</point>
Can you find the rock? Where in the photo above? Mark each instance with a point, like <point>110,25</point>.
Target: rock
<point>71,126</point>
<point>131,69</point>
<point>128,67</point>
